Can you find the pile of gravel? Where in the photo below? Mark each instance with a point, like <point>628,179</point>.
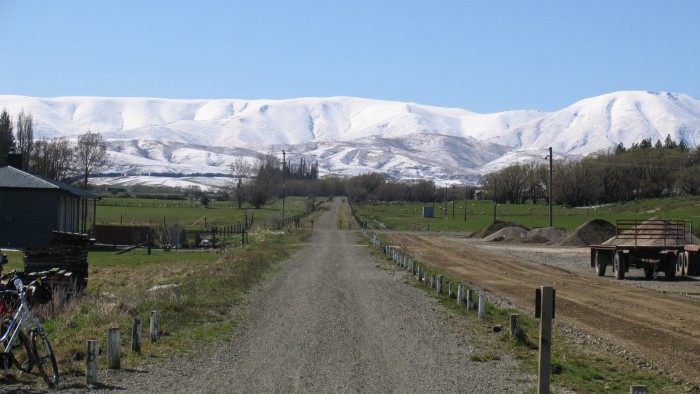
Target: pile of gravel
<point>593,232</point>
<point>542,235</point>
<point>507,234</point>
<point>496,226</point>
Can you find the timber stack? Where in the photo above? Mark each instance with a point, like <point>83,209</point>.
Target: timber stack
<point>64,261</point>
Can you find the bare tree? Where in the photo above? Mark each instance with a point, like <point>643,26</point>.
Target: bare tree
<point>240,170</point>
<point>25,137</point>
<point>52,158</point>
<point>91,155</point>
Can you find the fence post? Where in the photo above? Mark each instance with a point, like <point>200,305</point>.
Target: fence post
<point>514,325</point>
<point>438,284</point>
<point>136,335</point>
<point>638,389</point>
<point>482,306</point>
<point>470,299</point>
<point>154,326</point>
<point>450,290</point>
<point>460,295</point>
<point>545,357</point>
<point>114,348</point>
<point>91,362</point>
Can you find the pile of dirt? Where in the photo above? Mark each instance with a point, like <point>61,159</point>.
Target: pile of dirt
<point>496,226</point>
<point>507,234</point>
<point>542,235</point>
<point>593,232</point>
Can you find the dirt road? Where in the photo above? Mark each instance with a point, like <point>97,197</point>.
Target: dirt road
<point>335,319</point>
<point>663,328</point>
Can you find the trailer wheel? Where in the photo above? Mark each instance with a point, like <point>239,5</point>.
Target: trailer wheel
<point>649,273</point>
<point>670,270</point>
<point>686,262</point>
<point>681,264</point>
<point>600,264</point>
<point>619,265</point>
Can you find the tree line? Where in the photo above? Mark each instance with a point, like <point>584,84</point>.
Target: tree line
<point>645,170</point>
<point>53,158</point>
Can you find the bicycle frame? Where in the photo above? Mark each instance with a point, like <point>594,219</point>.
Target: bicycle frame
<point>22,317</point>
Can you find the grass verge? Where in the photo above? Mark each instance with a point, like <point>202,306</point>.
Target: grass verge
<point>194,294</point>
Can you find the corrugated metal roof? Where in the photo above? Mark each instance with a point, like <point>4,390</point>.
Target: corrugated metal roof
<point>11,177</point>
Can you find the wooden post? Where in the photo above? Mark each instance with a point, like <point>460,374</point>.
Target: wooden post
<point>438,284</point>
<point>114,348</point>
<point>450,290</point>
<point>545,357</point>
<point>154,326</point>
<point>638,389</point>
<point>136,335</point>
<point>482,306</point>
<point>470,300</point>
<point>514,325</point>
<point>460,295</point>
<point>91,362</point>
<point>432,281</point>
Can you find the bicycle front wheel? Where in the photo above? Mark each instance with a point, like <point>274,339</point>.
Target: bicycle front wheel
<point>22,353</point>
<point>44,358</point>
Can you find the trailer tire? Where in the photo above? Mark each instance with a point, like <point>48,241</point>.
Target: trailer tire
<point>600,264</point>
<point>688,265</point>
<point>649,273</point>
<point>670,269</point>
<point>619,265</point>
<point>681,264</point>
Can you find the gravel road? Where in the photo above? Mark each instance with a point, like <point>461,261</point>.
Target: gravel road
<point>335,318</point>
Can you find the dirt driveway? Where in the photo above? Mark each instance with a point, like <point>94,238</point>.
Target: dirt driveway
<point>654,320</point>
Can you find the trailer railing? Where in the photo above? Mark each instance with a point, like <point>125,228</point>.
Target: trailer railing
<point>678,231</point>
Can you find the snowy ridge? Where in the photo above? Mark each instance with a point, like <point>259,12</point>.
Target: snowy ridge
<point>353,135</point>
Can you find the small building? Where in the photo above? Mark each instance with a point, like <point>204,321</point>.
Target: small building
<point>32,207</point>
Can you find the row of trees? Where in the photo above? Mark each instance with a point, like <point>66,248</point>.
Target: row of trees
<point>645,170</point>
<point>56,158</point>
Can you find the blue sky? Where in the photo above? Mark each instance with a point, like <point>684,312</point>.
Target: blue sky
<point>485,56</point>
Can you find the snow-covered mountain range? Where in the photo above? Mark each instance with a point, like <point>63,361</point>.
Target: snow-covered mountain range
<point>350,136</point>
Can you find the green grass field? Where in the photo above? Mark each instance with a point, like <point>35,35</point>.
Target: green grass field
<point>407,216</point>
<point>190,215</point>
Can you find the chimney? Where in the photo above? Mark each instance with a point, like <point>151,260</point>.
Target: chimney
<point>15,160</point>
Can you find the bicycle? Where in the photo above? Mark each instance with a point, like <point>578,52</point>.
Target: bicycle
<point>23,321</point>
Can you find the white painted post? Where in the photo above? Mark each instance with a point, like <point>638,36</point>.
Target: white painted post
<point>470,299</point>
<point>460,295</point>
<point>91,362</point>
<point>482,306</point>
<point>114,348</point>
<point>638,389</point>
<point>154,326</point>
<point>514,325</point>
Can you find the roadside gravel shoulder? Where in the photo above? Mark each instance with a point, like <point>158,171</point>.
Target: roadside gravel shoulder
<point>335,318</point>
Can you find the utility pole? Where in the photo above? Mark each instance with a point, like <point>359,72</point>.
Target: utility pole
<point>284,175</point>
<point>549,189</point>
<point>445,201</point>
<point>466,200</point>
